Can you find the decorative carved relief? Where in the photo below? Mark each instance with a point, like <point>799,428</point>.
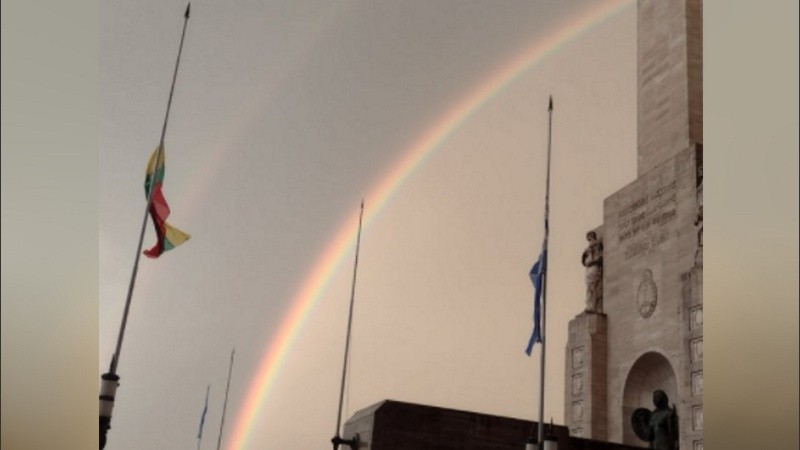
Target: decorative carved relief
<point>577,357</point>
<point>697,383</point>
<point>576,432</point>
<point>698,445</point>
<point>577,384</point>
<point>696,349</point>
<point>647,295</point>
<point>697,417</point>
<point>696,318</point>
<point>577,411</point>
<point>697,286</point>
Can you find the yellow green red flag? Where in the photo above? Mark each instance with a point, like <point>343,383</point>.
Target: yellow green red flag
<point>169,237</point>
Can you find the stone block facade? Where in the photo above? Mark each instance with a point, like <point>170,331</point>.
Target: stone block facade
<point>653,292</point>
<point>670,73</point>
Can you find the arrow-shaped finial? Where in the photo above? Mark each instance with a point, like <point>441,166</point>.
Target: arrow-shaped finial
<point>550,107</point>
<point>188,7</point>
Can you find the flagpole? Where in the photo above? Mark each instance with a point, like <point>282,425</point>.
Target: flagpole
<point>544,276</point>
<point>337,440</point>
<point>225,405</point>
<point>203,419</point>
<point>110,380</point>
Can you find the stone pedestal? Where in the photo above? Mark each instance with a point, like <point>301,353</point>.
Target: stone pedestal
<point>585,387</point>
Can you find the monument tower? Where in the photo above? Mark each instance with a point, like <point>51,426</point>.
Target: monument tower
<point>642,329</point>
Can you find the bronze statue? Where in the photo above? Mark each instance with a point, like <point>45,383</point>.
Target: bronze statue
<point>592,259</point>
<point>658,427</point>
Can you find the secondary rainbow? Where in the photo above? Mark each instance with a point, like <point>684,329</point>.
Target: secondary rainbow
<point>329,261</point>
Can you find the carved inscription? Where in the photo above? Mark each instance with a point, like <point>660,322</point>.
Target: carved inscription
<point>642,222</point>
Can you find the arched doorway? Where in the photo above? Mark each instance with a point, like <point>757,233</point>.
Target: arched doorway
<point>650,372</point>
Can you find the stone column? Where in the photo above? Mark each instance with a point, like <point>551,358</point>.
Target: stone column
<point>670,114</point>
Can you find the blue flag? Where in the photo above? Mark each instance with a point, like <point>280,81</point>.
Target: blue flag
<point>203,417</point>
<point>536,274</point>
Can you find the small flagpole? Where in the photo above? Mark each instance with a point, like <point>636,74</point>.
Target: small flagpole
<point>544,275</point>
<point>225,405</point>
<point>337,439</point>
<point>110,380</point>
<point>203,419</point>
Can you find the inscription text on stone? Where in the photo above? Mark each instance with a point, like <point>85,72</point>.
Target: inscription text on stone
<point>642,223</point>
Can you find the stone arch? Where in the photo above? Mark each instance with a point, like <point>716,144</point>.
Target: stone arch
<point>651,371</point>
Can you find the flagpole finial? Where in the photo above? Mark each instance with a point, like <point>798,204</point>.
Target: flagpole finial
<point>362,203</point>
<point>188,7</point>
<point>550,107</point>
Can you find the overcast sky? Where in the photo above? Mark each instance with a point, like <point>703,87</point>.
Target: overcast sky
<point>284,118</point>
<point>286,115</point>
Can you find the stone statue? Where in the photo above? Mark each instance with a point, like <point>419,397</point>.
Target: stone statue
<point>658,427</point>
<point>698,254</point>
<point>592,259</point>
<point>698,222</point>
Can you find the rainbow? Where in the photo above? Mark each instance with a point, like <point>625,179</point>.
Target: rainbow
<point>314,285</point>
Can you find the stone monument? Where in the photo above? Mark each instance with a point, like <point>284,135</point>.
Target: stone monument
<point>647,333</point>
